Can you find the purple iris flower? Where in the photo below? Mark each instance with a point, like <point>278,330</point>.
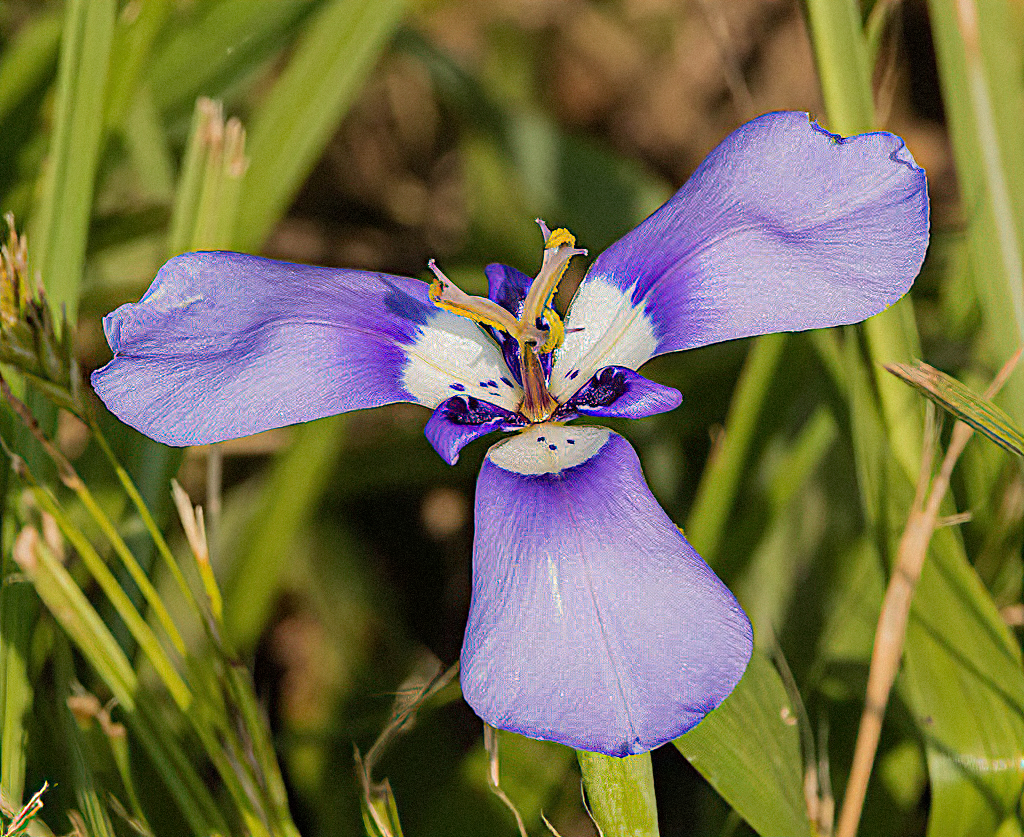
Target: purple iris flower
<point>593,622</point>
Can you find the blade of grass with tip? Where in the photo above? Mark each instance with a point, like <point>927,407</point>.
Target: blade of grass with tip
<point>290,130</point>
<point>962,402</point>
<point>60,221</point>
<point>72,610</point>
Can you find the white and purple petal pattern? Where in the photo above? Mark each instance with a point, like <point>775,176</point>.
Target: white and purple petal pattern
<point>224,345</point>
<point>593,622</point>
<point>783,227</point>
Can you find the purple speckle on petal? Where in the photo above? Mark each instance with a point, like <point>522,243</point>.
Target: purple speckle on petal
<point>492,384</point>
<point>552,447</point>
<point>457,387</point>
<point>506,382</point>
<point>540,438</point>
<point>571,441</point>
<point>573,374</point>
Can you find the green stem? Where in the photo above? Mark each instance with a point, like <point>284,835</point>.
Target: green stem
<point>720,481</point>
<point>620,793</point>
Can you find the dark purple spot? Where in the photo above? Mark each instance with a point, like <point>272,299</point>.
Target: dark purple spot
<point>571,441</point>
<point>540,438</point>
<point>506,382</point>
<point>457,387</point>
<point>604,388</point>
<point>573,374</point>
<point>467,410</point>
<point>552,447</point>
<point>492,384</point>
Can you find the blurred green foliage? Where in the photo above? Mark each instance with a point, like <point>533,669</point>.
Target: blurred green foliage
<point>166,671</point>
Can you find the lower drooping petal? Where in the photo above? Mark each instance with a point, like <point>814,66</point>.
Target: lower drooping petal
<point>593,622</point>
<point>784,227</point>
<point>461,419</point>
<point>617,392</point>
<point>224,345</point>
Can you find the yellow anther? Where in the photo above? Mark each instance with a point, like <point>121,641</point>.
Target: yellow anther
<point>556,331</point>
<point>558,238</point>
<point>445,294</point>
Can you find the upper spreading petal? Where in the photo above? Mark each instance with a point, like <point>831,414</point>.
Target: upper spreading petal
<point>783,227</point>
<point>224,345</point>
<point>593,622</point>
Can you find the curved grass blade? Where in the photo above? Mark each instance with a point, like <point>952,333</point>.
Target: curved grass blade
<point>289,132</point>
<point>749,750</point>
<point>962,402</point>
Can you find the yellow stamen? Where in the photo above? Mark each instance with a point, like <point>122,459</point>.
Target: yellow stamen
<point>445,294</point>
<point>556,331</point>
<point>538,314</point>
<point>539,330</point>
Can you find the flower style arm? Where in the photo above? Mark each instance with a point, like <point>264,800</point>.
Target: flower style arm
<point>784,227</point>
<point>225,345</point>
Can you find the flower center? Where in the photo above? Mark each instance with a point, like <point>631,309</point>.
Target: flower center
<point>538,329</point>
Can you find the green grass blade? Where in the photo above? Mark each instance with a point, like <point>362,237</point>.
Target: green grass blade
<point>235,37</point>
<point>72,610</point>
<point>60,223</point>
<point>962,402</point>
<point>338,48</point>
<point>295,485</point>
<point>721,478</point>
<point>18,613</point>
<point>190,182</point>
<point>842,59</point>
<point>977,47</point>
<point>28,60</point>
<point>749,750</point>
<point>134,37</point>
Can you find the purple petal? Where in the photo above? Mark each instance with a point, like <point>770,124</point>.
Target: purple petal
<point>461,419</point>
<point>783,227</point>
<point>621,393</point>
<point>224,345</point>
<point>593,622</point>
<point>507,286</point>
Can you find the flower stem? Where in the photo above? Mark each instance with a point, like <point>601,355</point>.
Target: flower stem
<point>620,793</point>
